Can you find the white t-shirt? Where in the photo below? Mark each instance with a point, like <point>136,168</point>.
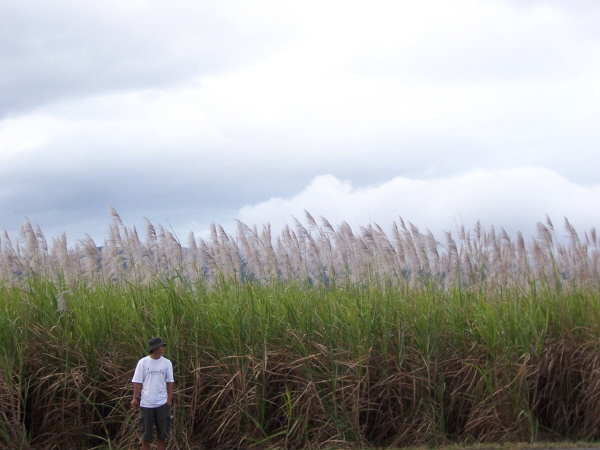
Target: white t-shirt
<point>153,374</point>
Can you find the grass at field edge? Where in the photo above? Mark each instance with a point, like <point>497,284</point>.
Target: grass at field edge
<point>558,445</point>
<point>514,446</point>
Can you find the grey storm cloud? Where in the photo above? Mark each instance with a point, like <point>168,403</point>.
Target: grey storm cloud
<point>63,49</point>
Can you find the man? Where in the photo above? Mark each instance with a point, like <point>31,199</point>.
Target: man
<point>153,379</point>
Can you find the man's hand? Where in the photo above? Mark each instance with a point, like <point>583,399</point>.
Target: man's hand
<point>137,388</point>
<point>170,394</point>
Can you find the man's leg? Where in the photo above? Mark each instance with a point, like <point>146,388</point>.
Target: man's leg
<point>145,426</point>
<point>163,426</point>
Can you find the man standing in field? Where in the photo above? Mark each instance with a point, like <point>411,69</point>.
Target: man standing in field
<point>153,379</point>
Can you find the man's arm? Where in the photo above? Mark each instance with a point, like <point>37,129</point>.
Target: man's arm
<point>170,394</point>
<point>137,388</point>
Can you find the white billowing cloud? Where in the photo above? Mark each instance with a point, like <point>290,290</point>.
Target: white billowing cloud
<point>514,199</point>
<point>16,135</point>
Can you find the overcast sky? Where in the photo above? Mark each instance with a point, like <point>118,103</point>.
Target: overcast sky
<point>192,112</point>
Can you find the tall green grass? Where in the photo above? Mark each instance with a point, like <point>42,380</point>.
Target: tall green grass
<point>318,338</point>
<point>271,365</point>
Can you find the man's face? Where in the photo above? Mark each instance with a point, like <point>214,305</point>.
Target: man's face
<point>158,352</point>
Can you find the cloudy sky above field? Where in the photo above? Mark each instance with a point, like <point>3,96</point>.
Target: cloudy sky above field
<point>191,112</point>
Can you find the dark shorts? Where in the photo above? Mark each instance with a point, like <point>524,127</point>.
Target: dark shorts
<point>161,417</point>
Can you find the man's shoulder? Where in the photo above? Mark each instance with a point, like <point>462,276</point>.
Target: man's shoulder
<point>142,360</point>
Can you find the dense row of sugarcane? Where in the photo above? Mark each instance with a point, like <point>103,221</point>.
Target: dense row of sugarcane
<point>293,366</point>
<point>317,253</point>
<point>309,340</point>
